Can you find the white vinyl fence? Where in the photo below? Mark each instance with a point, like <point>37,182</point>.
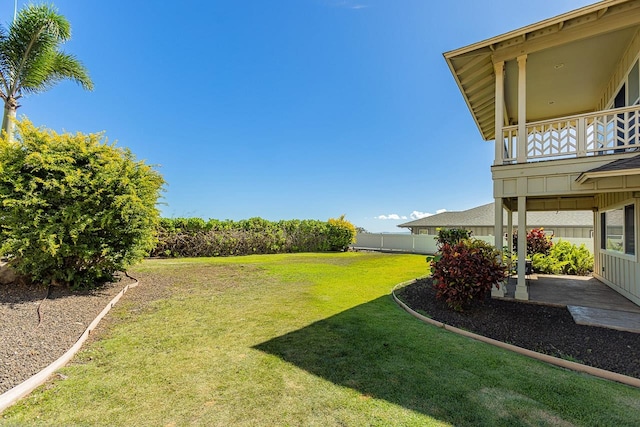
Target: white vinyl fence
<point>426,243</point>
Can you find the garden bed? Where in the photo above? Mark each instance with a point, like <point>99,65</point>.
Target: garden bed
<point>545,329</point>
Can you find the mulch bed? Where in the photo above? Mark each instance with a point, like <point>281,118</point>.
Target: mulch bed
<point>38,325</point>
<point>544,329</point>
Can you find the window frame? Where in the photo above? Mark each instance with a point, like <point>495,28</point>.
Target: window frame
<point>629,229</point>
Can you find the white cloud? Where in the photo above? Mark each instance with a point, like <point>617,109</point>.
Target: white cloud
<point>348,4</point>
<point>390,216</point>
<point>414,215</point>
<point>418,214</point>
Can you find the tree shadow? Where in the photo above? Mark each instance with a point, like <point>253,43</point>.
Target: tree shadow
<point>376,349</point>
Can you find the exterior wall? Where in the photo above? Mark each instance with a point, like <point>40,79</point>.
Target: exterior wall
<point>620,72</point>
<point>578,232</point>
<point>619,271</point>
<point>558,232</point>
<point>558,178</point>
<point>425,244</point>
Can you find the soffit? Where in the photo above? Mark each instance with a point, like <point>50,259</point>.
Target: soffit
<point>588,43</point>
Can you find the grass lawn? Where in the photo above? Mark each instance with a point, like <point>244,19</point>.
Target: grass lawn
<point>303,340</point>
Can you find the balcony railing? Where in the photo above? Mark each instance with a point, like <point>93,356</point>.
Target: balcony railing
<point>593,134</point>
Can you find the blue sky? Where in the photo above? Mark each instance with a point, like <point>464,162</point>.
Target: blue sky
<point>287,109</point>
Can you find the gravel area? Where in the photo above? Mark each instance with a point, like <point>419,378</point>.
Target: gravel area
<point>548,330</point>
<point>38,328</point>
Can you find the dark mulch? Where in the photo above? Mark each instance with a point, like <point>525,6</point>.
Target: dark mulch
<point>544,329</point>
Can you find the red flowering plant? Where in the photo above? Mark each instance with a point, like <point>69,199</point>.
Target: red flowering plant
<point>466,272</point>
<point>537,242</point>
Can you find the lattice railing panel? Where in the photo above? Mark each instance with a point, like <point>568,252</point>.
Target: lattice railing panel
<point>613,133</point>
<point>594,134</point>
<point>553,140</point>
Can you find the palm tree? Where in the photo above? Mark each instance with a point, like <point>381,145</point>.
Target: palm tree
<point>30,59</point>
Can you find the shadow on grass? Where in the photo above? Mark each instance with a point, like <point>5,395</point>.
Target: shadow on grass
<point>380,351</point>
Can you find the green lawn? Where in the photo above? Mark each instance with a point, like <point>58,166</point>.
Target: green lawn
<point>304,340</point>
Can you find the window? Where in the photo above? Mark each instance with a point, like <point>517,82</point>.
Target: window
<point>629,230</point>
<point>618,230</point>
<point>634,85</point>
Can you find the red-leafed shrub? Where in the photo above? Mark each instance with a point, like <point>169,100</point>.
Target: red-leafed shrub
<point>537,242</point>
<point>466,272</point>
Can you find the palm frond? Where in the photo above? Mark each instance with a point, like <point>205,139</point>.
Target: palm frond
<point>53,68</point>
<point>29,46</point>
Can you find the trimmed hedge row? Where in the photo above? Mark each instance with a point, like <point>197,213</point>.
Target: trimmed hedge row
<point>194,237</point>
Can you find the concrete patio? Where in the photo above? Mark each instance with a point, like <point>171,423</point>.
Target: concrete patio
<point>590,301</point>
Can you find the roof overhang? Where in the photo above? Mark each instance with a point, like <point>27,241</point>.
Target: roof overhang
<point>626,166</point>
<point>569,60</point>
<point>591,176</point>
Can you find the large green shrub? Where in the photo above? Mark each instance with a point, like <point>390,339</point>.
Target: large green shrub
<point>564,258</point>
<point>74,209</point>
<point>466,272</point>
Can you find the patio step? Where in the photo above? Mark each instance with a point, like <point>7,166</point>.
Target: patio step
<point>605,318</point>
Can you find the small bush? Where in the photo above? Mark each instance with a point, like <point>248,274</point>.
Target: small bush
<point>564,258</point>
<point>451,236</point>
<point>466,272</point>
<point>74,209</point>
<point>537,242</point>
<point>341,234</point>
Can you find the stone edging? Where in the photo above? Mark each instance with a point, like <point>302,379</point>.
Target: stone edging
<point>16,393</point>
<point>597,372</point>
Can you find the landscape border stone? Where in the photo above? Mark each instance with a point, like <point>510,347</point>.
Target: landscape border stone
<point>11,396</point>
<point>574,366</point>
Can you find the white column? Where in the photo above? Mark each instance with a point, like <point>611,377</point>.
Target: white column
<point>510,231</point>
<point>521,289</point>
<point>498,233</point>
<point>522,109</point>
<point>498,68</point>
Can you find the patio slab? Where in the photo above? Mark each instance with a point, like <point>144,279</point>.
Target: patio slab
<point>612,319</point>
<point>589,301</point>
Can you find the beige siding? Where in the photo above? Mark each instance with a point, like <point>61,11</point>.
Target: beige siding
<point>607,200</point>
<point>620,72</point>
<point>578,232</point>
<point>620,272</point>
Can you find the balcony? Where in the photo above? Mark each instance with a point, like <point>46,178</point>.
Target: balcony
<point>585,135</point>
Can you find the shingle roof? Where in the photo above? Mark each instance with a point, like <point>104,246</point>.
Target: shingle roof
<point>621,164</point>
<point>628,166</point>
<point>483,216</point>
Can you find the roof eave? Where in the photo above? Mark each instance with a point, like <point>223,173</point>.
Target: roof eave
<point>488,43</point>
<point>588,176</point>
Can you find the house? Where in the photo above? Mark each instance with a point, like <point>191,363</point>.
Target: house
<point>560,99</point>
<point>481,222</point>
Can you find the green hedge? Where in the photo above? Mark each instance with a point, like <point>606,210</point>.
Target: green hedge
<point>195,237</point>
